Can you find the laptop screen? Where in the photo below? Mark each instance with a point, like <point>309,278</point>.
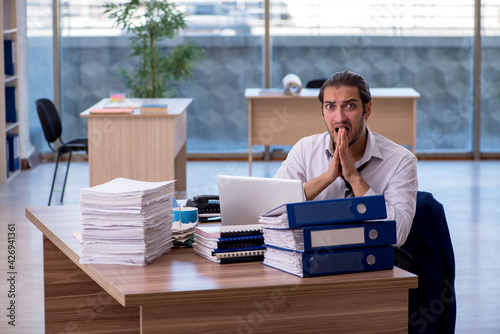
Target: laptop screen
<point>243,198</point>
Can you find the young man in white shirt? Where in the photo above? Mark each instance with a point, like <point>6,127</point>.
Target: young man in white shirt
<point>350,160</point>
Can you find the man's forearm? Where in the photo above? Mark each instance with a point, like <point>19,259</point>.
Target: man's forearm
<point>314,187</point>
<point>359,186</point>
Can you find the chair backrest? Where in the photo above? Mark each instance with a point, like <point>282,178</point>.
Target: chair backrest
<point>49,118</point>
<point>429,244</point>
<point>317,83</point>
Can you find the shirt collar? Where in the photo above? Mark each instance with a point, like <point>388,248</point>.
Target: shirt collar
<point>371,150</point>
<point>328,145</point>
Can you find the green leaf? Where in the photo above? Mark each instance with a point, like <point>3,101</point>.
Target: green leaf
<point>149,22</point>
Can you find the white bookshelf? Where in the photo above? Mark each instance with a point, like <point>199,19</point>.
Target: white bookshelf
<point>9,25</point>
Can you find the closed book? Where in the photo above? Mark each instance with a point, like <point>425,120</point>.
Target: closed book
<point>217,231</point>
<point>329,262</point>
<point>8,56</point>
<point>10,104</point>
<point>350,235</point>
<point>13,144</point>
<point>221,252</point>
<point>343,210</point>
<point>230,242</point>
<point>154,109</point>
<point>244,254</point>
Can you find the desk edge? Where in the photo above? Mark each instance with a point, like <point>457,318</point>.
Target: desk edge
<point>75,258</point>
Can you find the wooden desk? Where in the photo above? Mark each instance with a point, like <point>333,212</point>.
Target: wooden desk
<point>183,293</point>
<point>279,119</point>
<point>140,147</point>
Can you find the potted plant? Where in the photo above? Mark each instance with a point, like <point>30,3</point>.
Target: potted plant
<point>150,22</point>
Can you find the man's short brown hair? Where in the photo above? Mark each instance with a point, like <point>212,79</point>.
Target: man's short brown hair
<point>348,78</point>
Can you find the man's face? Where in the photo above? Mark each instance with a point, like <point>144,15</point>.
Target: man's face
<point>343,108</point>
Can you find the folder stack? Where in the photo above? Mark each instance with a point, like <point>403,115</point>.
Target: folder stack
<point>329,237</point>
<point>229,244</point>
<point>126,221</point>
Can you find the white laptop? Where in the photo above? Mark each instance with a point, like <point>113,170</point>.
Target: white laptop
<point>243,198</point>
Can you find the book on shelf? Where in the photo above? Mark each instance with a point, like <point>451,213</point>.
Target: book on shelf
<point>10,104</point>
<point>336,236</point>
<point>13,151</point>
<point>9,56</point>
<point>342,210</point>
<point>154,109</point>
<point>329,262</point>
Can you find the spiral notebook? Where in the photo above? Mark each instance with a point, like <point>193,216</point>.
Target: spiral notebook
<point>230,244</point>
<point>242,254</point>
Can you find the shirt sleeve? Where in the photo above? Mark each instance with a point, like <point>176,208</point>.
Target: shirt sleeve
<point>294,166</point>
<point>401,197</point>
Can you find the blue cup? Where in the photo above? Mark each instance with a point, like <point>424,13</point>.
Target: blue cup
<point>187,215</point>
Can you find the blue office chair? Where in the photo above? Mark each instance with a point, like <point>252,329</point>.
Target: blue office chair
<point>428,253</point>
<point>52,130</point>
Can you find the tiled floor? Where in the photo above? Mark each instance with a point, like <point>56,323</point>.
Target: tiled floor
<point>469,191</point>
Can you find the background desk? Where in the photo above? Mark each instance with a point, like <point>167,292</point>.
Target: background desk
<point>140,147</point>
<point>183,293</point>
<point>279,119</point>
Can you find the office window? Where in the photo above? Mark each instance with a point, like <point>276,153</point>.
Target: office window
<point>231,36</point>
<point>40,64</point>
<point>420,44</point>
<point>490,76</point>
<point>217,119</point>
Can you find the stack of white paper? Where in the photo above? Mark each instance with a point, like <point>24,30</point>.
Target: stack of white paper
<point>290,239</point>
<point>183,234</point>
<point>126,221</point>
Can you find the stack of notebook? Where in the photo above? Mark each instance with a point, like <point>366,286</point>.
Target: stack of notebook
<point>230,244</point>
<point>329,237</point>
<point>126,221</point>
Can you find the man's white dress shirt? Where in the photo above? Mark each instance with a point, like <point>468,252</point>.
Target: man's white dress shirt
<point>391,170</point>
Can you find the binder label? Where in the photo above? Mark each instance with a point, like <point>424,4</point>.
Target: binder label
<point>336,237</point>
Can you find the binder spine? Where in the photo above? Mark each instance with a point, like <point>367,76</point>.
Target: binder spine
<point>354,235</point>
<point>348,261</point>
<point>336,211</point>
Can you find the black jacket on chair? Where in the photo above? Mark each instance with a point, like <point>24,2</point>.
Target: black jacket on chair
<point>433,305</point>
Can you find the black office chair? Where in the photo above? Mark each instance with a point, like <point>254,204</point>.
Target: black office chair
<point>52,129</point>
<point>317,83</point>
<point>428,253</point>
